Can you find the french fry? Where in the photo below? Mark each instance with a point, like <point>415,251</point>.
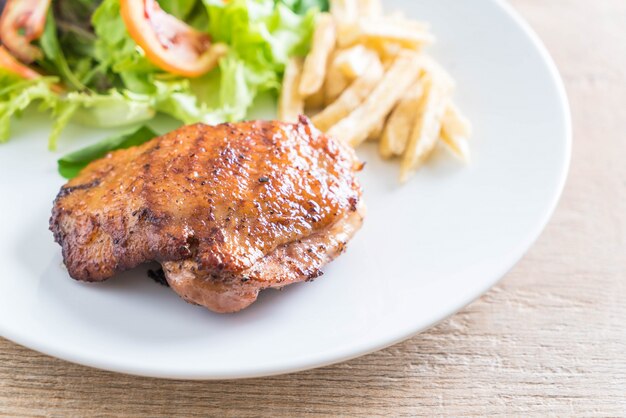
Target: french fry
<point>354,61</point>
<point>346,65</point>
<point>455,123</point>
<point>355,128</point>
<point>368,80</point>
<point>335,84</point>
<point>457,145</point>
<point>323,43</point>
<point>377,31</point>
<point>388,50</point>
<point>400,123</point>
<point>316,101</point>
<point>455,131</point>
<point>425,132</point>
<point>336,81</point>
<point>377,132</point>
<point>351,98</point>
<point>291,103</point>
<point>344,11</point>
<point>439,73</point>
<point>370,8</point>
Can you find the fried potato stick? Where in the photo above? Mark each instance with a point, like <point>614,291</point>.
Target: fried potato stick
<point>401,121</point>
<point>425,132</point>
<point>455,131</point>
<point>379,30</point>
<point>291,102</point>
<point>323,44</point>
<point>355,128</point>
<point>351,98</point>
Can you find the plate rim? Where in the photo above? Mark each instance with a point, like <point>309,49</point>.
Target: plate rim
<point>348,354</point>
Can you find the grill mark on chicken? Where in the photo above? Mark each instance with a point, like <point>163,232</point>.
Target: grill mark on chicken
<point>228,210</point>
<point>67,190</point>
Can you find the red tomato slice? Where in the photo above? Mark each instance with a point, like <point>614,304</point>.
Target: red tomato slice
<point>169,43</point>
<point>14,66</point>
<point>9,63</point>
<point>22,22</point>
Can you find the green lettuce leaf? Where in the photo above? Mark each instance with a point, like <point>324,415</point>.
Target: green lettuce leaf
<point>17,94</point>
<point>70,165</point>
<point>63,112</point>
<point>178,100</point>
<point>116,108</point>
<point>262,36</point>
<point>117,53</point>
<point>54,57</point>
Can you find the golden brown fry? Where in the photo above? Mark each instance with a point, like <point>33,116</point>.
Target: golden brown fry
<point>438,72</point>
<point>455,123</point>
<point>346,65</point>
<point>355,128</point>
<point>401,121</point>
<point>425,133</point>
<point>316,101</point>
<point>457,145</point>
<point>323,43</point>
<point>455,131</point>
<point>377,31</point>
<point>336,81</point>
<point>387,50</point>
<point>354,61</point>
<point>291,103</point>
<point>351,98</point>
<point>376,133</point>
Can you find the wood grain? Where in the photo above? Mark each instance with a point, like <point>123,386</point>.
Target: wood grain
<point>549,340</point>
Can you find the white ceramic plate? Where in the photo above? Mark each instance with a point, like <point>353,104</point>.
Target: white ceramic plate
<point>426,250</point>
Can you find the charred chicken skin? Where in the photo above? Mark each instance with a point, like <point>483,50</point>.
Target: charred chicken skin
<point>228,210</point>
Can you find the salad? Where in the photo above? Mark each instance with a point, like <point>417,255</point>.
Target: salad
<point>107,63</point>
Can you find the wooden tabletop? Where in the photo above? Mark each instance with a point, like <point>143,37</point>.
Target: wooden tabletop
<point>550,339</point>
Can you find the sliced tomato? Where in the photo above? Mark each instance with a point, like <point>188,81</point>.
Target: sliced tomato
<point>21,23</point>
<point>9,63</point>
<point>169,43</point>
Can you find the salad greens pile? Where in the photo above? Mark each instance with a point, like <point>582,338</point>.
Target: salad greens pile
<point>107,80</point>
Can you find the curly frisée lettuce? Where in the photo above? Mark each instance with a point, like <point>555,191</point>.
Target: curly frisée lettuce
<point>16,94</point>
<point>108,80</point>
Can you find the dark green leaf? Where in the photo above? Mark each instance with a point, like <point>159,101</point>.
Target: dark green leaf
<point>70,165</point>
<point>75,15</point>
<point>52,50</point>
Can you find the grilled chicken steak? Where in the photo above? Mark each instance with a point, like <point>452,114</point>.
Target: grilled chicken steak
<point>228,210</point>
